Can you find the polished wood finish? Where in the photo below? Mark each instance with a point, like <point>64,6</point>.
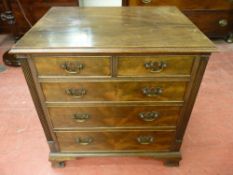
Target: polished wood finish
<point>192,91</point>
<point>28,76</point>
<point>122,116</point>
<point>115,141</point>
<point>69,66</point>
<point>149,66</point>
<point>206,9</point>
<point>114,91</point>
<point>149,32</point>
<point>104,92</point>
<point>57,158</point>
<point>206,14</point>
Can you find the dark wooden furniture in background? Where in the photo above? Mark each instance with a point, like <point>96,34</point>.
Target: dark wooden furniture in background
<point>6,15</point>
<point>17,17</point>
<point>114,81</point>
<point>33,9</point>
<point>213,17</point>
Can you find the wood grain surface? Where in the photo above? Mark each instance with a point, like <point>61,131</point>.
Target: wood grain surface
<point>135,66</point>
<point>91,66</point>
<point>115,116</point>
<point>113,30</point>
<point>114,141</point>
<point>114,91</point>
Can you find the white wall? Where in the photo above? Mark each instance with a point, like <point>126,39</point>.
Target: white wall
<point>100,3</point>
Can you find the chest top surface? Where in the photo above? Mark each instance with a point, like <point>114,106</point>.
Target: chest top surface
<point>113,30</point>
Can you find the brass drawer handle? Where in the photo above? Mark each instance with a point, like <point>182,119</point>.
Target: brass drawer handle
<point>155,66</point>
<point>145,140</point>
<point>223,22</point>
<point>72,67</point>
<point>151,92</point>
<point>146,1</point>
<point>149,116</point>
<point>81,117</point>
<point>77,93</point>
<point>84,141</point>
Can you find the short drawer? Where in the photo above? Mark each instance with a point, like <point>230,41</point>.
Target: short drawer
<point>115,141</point>
<point>123,116</point>
<point>152,66</point>
<point>73,66</point>
<point>114,91</point>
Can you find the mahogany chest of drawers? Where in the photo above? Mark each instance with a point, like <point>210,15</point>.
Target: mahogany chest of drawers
<point>114,81</point>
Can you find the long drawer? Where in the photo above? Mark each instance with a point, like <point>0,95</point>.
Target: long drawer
<point>115,141</point>
<point>116,116</point>
<point>115,91</point>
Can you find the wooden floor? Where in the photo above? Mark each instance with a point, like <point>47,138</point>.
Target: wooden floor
<point>208,142</point>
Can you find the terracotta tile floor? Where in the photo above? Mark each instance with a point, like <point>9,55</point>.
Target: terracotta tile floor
<point>207,147</point>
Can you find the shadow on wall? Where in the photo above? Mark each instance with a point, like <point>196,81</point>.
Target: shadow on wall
<point>100,3</point>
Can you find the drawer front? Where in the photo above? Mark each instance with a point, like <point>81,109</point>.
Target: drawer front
<point>114,91</point>
<point>115,141</point>
<point>215,23</point>
<point>152,66</point>
<point>131,116</point>
<point>183,4</point>
<point>73,66</point>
